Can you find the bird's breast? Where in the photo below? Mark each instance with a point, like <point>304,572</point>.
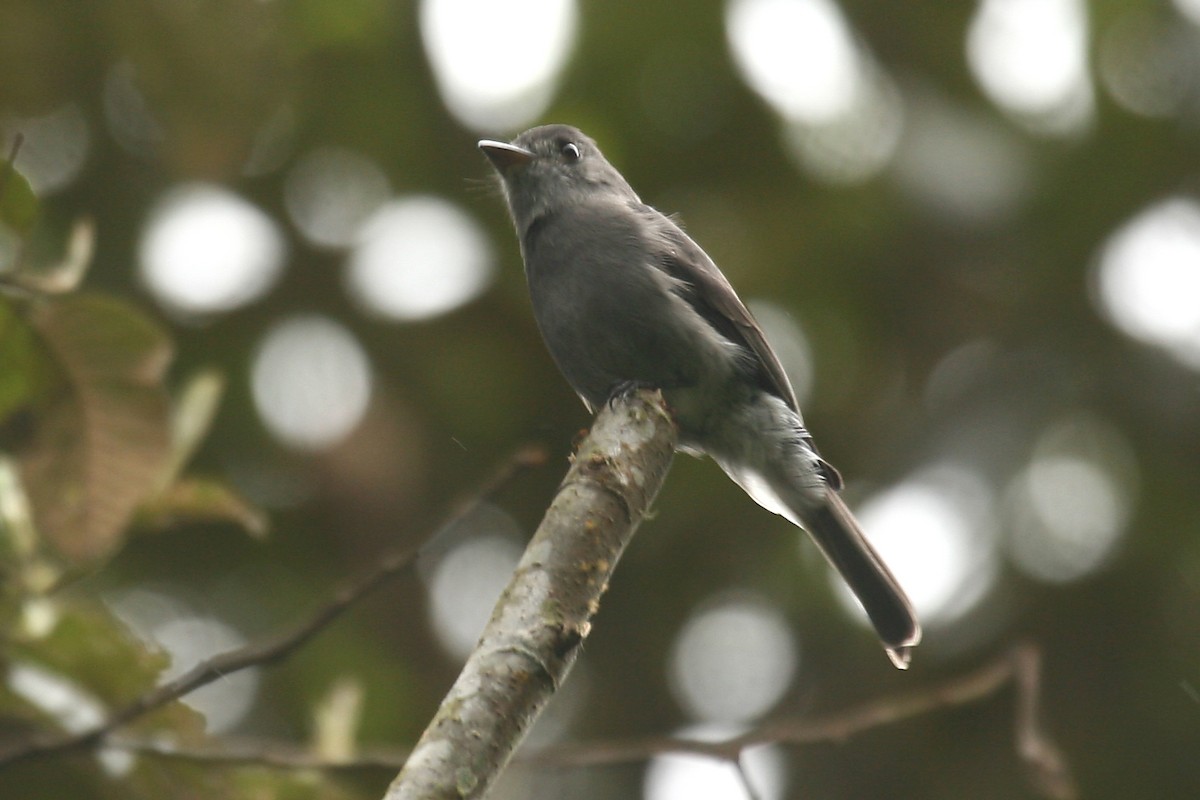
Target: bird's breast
<point>609,315</point>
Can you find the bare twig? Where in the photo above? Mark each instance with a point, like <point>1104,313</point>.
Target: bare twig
<point>543,616</point>
<point>277,647</point>
<point>743,775</point>
<point>1019,667</point>
<point>261,753</point>
<point>1047,766</point>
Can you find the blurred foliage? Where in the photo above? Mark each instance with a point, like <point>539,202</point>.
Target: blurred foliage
<point>95,434</point>
<point>886,289</point>
<point>18,203</point>
<point>88,437</point>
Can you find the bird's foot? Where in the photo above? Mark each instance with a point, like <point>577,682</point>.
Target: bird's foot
<point>624,389</point>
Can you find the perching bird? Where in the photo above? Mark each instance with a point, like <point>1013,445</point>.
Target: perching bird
<point>624,298</point>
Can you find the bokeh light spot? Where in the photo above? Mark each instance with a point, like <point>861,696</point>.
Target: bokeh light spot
<point>857,145</point>
<point>73,707</point>
<point>1190,9</point>
<point>1149,65</point>
<point>496,64</point>
<point>797,54</point>
<point>790,344</point>
<point>1030,57</point>
<point>127,111</point>
<point>206,250</point>
<point>330,192</point>
<point>961,166</point>
<point>55,149</point>
<point>1148,277</point>
<point>311,382</point>
<point>1070,506</point>
<point>935,530</point>
<point>188,638</point>
<point>733,660</point>
<point>417,258</point>
<point>681,776</point>
<point>465,585</point>
<point>842,115</point>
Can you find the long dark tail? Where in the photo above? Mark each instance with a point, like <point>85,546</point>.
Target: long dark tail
<point>837,533</point>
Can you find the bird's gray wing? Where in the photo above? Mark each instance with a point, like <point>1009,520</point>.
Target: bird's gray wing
<point>710,293</point>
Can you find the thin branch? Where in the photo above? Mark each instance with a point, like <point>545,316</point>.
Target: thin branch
<point>1019,667</point>
<point>1047,766</point>
<point>743,775</point>
<point>261,753</point>
<point>280,646</point>
<point>532,640</point>
<point>1048,769</point>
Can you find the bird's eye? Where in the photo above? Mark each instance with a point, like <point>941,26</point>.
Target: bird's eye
<point>570,151</point>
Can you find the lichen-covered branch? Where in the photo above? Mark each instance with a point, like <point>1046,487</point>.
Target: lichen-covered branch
<point>545,613</point>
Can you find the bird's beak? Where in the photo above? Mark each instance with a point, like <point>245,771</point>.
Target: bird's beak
<point>505,156</point>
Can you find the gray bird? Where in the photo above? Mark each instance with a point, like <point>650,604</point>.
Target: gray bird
<point>624,298</point>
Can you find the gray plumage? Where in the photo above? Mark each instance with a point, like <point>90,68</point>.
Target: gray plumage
<point>623,298</point>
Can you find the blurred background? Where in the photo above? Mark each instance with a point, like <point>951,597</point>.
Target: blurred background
<point>972,231</point>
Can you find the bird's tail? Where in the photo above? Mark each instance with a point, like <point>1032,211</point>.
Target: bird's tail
<point>843,543</point>
<point>776,465</point>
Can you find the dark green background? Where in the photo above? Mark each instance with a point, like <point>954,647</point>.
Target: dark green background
<point>884,288</point>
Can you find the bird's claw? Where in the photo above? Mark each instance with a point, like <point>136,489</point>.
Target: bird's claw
<point>624,389</point>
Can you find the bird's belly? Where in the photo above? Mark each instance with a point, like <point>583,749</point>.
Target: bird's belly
<point>603,340</point>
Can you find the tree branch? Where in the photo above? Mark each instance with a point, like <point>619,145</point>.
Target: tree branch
<point>532,641</point>
<point>278,647</point>
<point>1046,767</point>
<point>544,614</point>
<point>1019,667</point>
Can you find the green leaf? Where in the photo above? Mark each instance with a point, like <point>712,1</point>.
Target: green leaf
<point>57,274</point>
<point>93,655</point>
<point>28,372</point>
<point>91,645</point>
<point>194,499</point>
<point>18,203</point>
<point>191,499</point>
<point>191,418</point>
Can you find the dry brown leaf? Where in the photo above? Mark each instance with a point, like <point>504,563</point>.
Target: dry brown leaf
<point>100,444</point>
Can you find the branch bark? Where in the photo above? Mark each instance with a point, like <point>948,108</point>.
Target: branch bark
<point>543,616</point>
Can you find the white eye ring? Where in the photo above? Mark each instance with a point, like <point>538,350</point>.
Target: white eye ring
<point>571,151</point>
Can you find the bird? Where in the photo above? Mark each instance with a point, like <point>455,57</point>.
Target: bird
<point>625,299</point>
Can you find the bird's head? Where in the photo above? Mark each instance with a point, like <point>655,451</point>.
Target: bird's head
<point>550,167</point>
